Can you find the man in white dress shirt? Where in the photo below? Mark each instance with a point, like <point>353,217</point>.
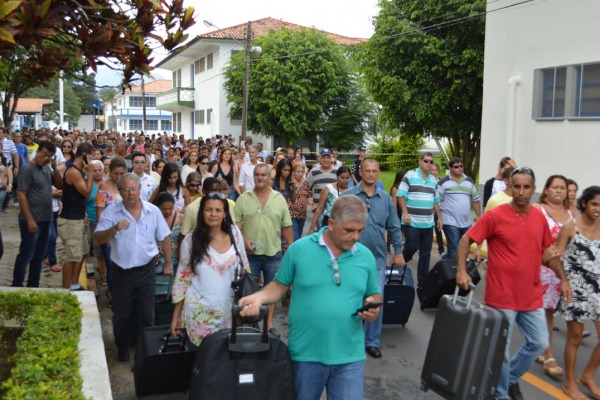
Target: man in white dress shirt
<point>138,160</point>
<point>133,227</point>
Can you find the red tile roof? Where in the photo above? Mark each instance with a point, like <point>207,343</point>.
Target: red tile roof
<point>157,86</point>
<point>263,26</point>
<point>31,106</point>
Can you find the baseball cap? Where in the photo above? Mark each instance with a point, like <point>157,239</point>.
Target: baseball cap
<point>325,152</point>
<point>362,148</point>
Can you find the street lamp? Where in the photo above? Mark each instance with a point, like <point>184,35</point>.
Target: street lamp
<point>254,50</point>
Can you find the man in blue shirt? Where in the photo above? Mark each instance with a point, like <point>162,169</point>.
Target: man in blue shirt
<point>382,217</point>
<point>419,200</point>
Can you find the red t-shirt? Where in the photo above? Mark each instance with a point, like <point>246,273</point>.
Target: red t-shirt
<point>515,246</point>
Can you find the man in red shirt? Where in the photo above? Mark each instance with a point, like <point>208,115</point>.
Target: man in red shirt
<point>519,241</point>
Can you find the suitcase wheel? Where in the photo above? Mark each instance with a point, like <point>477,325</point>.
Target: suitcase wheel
<point>404,325</point>
<point>424,387</point>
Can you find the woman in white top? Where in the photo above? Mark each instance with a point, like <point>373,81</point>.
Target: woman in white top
<point>210,256</point>
<point>191,166</point>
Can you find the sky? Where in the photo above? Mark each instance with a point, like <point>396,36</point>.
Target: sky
<point>345,17</point>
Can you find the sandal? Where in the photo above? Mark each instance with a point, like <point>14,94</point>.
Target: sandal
<point>103,281</point>
<point>574,393</point>
<point>595,395</point>
<point>55,268</point>
<point>552,371</point>
<point>540,359</point>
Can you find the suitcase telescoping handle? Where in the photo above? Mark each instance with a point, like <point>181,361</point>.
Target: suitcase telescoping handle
<point>469,298</point>
<point>389,279</point>
<point>249,342</point>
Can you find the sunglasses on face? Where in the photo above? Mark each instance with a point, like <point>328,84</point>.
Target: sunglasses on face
<point>428,161</point>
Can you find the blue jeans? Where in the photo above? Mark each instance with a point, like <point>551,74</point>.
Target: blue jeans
<point>266,264</point>
<point>453,235</point>
<point>31,252</point>
<point>373,329</point>
<point>419,239</point>
<point>298,227</point>
<point>343,382</point>
<point>232,194</point>
<point>533,327</point>
<point>51,251</point>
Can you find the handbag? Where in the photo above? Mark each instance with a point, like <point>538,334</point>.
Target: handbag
<point>243,284</point>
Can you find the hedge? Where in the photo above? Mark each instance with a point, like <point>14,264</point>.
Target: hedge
<point>47,358</point>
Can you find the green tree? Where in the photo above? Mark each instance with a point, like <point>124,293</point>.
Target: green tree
<point>72,102</point>
<point>290,97</point>
<point>424,65</point>
<point>40,38</point>
<point>107,93</point>
<point>85,87</point>
<point>396,150</point>
<point>348,122</point>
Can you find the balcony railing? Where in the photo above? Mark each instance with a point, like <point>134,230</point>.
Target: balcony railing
<point>176,98</point>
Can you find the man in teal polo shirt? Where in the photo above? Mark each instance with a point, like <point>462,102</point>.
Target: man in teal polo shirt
<point>263,217</point>
<point>333,275</point>
<point>419,200</point>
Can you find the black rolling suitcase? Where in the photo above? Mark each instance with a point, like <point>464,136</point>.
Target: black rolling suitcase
<point>242,363</point>
<point>398,295</point>
<point>441,280</point>
<point>163,305</point>
<point>163,363</point>
<point>466,349</point>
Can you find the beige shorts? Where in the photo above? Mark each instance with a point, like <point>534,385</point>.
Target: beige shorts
<point>73,235</point>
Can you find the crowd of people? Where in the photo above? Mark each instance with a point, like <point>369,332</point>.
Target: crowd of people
<point>207,210</point>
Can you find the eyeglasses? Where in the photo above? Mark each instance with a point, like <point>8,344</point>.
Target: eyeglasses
<point>204,163</point>
<point>523,170</point>
<point>194,185</point>
<point>139,162</point>
<point>218,195</point>
<point>368,203</point>
<point>130,189</point>
<point>336,272</point>
<point>427,161</point>
<point>457,166</point>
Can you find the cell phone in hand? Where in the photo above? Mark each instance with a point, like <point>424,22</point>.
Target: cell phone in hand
<point>368,306</point>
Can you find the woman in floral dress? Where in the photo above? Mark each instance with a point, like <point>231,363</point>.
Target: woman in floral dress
<point>581,238</point>
<point>554,204</point>
<point>210,256</point>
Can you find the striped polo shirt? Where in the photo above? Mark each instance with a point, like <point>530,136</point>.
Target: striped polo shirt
<point>420,195</point>
<point>455,200</point>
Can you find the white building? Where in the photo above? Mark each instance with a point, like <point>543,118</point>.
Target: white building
<point>541,94</point>
<point>127,113</point>
<point>198,100</point>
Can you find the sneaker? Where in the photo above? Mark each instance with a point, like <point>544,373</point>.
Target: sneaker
<point>15,204</point>
<point>514,392</point>
<point>5,210</point>
<point>586,334</point>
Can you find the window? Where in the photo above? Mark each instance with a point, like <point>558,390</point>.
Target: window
<point>209,61</point>
<point>135,124</point>
<point>199,117</point>
<point>571,92</point>
<point>553,95</point>
<point>192,73</point>
<point>179,129</point>
<point>587,97</point>
<point>235,118</point>
<point>199,65</point>
<point>234,52</point>
<point>151,124</point>
<point>208,113</point>
<point>165,125</point>
<point>177,79</point>
<point>136,101</point>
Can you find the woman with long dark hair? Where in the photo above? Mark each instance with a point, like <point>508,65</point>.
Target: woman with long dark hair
<point>166,204</point>
<point>580,240</point>
<point>225,169</point>
<point>203,163</point>
<point>170,181</point>
<point>283,179</point>
<point>210,256</point>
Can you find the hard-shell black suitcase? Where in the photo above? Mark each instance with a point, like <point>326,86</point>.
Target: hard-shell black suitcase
<point>163,363</point>
<point>398,295</point>
<point>242,363</point>
<point>466,349</point>
<point>441,280</point>
<point>163,305</point>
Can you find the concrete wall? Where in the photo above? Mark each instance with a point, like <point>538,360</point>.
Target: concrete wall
<point>520,40</point>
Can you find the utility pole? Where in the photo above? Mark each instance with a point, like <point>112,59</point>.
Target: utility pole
<point>246,82</point>
<point>143,106</point>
